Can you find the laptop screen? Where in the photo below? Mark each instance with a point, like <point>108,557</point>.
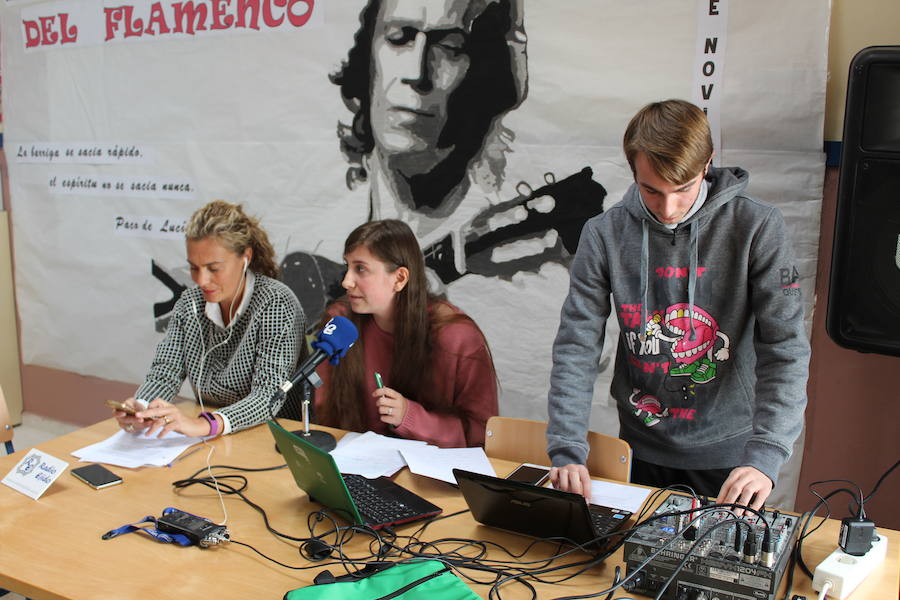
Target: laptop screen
<point>315,472</point>
<point>523,508</point>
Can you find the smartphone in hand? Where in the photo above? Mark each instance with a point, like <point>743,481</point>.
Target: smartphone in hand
<point>121,406</point>
<point>97,476</point>
<point>529,473</point>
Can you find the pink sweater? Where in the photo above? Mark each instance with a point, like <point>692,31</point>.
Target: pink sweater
<point>463,372</point>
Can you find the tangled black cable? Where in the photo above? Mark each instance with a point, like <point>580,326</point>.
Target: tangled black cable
<point>464,556</point>
<point>796,558</point>
<point>470,559</point>
<point>222,483</point>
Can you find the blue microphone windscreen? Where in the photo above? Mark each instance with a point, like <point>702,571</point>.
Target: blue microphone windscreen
<point>336,338</point>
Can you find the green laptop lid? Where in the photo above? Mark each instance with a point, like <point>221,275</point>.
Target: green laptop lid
<point>315,472</point>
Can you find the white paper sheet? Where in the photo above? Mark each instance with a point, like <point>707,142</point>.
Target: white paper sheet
<point>439,463</point>
<point>618,495</point>
<point>372,455</point>
<point>136,450</point>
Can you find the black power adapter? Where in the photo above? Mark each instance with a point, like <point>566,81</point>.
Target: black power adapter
<point>201,532</point>
<point>856,536</point>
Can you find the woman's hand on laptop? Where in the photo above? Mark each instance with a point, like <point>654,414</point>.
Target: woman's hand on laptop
<point>572,478</point>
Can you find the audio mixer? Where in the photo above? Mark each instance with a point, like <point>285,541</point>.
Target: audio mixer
<point>728,558</point>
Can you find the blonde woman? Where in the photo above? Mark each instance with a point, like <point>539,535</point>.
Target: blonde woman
<point>235,336</point>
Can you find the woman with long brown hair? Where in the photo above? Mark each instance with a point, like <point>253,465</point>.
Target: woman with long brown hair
<point>236,336</point>
<point>421,368</point>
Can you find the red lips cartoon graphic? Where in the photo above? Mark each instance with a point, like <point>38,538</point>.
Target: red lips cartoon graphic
<point>687,349</point>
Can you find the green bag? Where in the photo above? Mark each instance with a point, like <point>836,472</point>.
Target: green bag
<point>430,579</point>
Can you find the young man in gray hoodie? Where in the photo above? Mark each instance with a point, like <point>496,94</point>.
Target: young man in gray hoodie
<point>712,359</point>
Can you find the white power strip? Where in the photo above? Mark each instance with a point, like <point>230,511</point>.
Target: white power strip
<point>846,572</point>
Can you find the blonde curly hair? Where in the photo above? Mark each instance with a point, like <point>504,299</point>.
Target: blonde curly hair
<point>236,231</point>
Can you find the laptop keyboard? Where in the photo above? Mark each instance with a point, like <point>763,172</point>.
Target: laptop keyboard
<point>372,503</point>
<point>607,522</point>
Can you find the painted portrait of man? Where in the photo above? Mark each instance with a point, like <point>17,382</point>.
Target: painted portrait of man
<point>428,82</point>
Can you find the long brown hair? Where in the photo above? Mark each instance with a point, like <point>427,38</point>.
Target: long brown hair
<point>418,315</point>
<point>235,230</point>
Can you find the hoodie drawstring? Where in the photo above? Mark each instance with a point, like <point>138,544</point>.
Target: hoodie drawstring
<point>692,272</point>
<point>645,268</point>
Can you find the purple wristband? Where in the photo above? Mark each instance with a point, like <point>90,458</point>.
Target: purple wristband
<point>213,423</point>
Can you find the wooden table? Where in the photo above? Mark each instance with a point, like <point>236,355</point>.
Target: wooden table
<point>51,548</point>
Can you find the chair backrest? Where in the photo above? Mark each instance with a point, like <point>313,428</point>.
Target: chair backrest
<point>524,440</point>
<point>6,428</point>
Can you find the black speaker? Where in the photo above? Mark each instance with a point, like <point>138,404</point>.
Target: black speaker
<point>864,295</point>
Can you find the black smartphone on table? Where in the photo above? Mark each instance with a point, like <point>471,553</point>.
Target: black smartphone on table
<point>529,473</point>
<point>97,476</point>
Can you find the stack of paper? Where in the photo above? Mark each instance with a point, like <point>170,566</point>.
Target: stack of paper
<point>136,450</point>
<point>372,455</point>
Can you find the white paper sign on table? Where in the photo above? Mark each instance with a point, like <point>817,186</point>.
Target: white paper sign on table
<point>35,473</point>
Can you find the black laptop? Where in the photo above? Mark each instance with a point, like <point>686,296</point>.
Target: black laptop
<point>538,511</point>
<point>375,503</point>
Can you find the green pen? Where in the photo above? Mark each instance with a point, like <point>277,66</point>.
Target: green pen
<point>380,385</point>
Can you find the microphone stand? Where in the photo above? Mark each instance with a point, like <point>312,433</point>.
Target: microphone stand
<point>320,439</point>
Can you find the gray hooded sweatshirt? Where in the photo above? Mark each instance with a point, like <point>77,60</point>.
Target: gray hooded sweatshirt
<point>712,358</point>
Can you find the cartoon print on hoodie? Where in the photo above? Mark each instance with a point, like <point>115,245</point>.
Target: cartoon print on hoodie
<point>693,342</point>
<point>647,408</point>
<point>694,335</point>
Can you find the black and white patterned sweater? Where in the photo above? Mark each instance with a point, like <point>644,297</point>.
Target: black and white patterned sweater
<point>239,375</point>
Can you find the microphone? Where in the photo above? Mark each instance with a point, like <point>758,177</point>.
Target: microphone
<point>338,335</point>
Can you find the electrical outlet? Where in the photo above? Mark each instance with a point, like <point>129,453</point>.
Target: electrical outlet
<point>846,572</point>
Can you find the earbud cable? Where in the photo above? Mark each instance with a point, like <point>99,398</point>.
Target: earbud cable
<point>197,392</point>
